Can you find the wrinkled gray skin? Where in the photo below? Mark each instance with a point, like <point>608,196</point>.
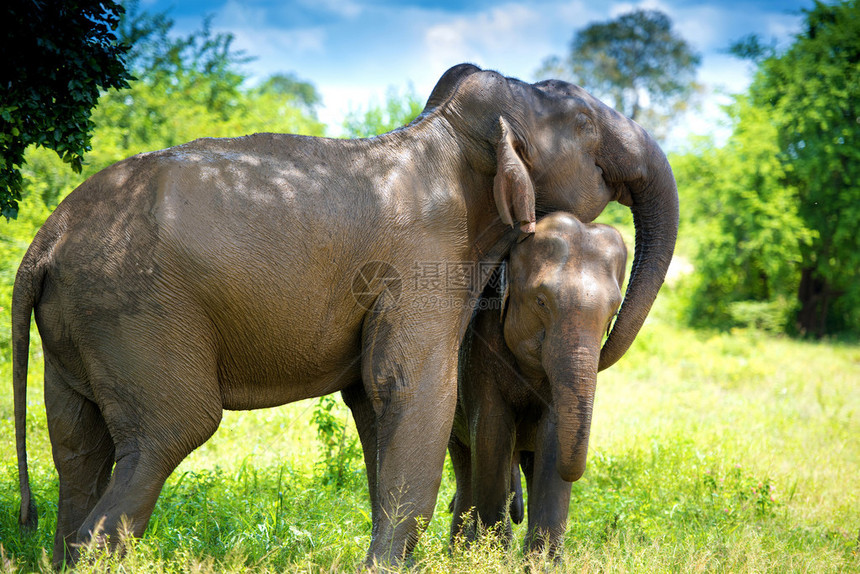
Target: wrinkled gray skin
<point>219,275</point>
<point>527,379</point>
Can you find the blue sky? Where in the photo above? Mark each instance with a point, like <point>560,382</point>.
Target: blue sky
<point>354,50</point>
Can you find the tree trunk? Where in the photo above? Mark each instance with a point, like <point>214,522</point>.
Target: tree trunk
<point>815,295</point>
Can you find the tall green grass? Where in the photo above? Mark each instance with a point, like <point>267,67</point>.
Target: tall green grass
<point>710,452</point>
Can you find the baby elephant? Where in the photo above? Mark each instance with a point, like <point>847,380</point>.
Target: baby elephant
<point>528,368</point>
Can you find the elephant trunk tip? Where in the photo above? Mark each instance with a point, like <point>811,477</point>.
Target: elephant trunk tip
<point>573,471</point>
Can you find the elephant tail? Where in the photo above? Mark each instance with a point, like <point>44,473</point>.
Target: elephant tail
<point>25,295</point>
<point>517,507</point>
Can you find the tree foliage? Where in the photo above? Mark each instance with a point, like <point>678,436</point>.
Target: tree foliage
<point>752,47</point>
<point>635,61</point>
<point>776,211</point>
<point>186,87</point>
<point>398,110</point>
<point>304,94</point>
<point>745,225</point>
<point>56,58</point>
<point>189,86</point>
<point>813,94</point>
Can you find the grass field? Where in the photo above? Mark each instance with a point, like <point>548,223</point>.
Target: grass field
<point>733,452</point>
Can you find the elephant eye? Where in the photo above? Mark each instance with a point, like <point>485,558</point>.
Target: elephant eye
<point>541,301</point>
<point>583,123</point>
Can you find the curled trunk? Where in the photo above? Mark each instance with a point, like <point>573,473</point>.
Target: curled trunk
<point>654,201</point>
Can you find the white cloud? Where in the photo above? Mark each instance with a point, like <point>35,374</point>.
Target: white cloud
<point>340,99</point>
<point>784,26</point>
<point>354,49</point>
<point>254,29</point>
<point>575,15</point>
<point>726,73</point>
<point>272,47</point>
<point>274,50</point>
<point>487,38</point>
<point>702,27</point>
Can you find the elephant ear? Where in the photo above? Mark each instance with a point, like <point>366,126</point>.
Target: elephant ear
<point>512,187</point>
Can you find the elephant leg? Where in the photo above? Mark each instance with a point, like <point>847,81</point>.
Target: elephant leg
<point>549,494</point>
<point>493,439</point>
<point>412,385</point>
<point>83,453</point>
<point>461,505</point>
<point>137,480</point>
<point>160,401</point>
<point>365,422</point>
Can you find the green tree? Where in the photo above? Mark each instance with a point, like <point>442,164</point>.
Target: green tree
<point>635,61</point>
<point>56,58</point>
<point>189,86</point>
<point>812,94</point>
<point>745,224</point>
<point>398,110</point>
<point>303,93</point>
<point>178,78</point>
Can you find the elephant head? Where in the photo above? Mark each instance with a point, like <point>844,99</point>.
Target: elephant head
<point>564,289</point>
<point>552,146</point>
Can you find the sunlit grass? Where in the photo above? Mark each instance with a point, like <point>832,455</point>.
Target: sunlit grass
<point>710,452</point>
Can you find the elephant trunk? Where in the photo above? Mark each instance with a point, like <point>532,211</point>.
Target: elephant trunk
<point>654,202</point>
<point>573,381</point>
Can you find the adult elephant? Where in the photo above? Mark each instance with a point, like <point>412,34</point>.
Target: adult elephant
<point>238,274</point>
